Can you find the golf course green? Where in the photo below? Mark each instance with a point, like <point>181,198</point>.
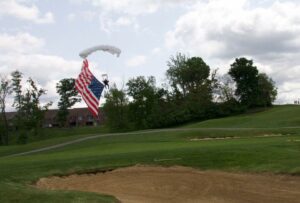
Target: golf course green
<point>262,142</point>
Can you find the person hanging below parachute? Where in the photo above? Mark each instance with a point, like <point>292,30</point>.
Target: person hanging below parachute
<point>89,87</point>
<point>105,80</point>
<point>110,49</point>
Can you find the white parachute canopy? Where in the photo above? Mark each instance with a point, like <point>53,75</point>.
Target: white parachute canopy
<point>111,49</point>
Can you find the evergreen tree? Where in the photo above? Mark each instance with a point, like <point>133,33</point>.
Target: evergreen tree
<point>69,96</point>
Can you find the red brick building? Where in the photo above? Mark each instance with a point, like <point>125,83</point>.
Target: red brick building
<point>76,117</point>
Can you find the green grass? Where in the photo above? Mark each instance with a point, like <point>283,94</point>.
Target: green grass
<point>248,153</point>
<point>11,192</point>
<point>52,133</point>
<point>278,116</point>
<point>51,136</point>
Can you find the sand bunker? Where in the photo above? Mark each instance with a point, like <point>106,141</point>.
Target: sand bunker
<point>181,184</point>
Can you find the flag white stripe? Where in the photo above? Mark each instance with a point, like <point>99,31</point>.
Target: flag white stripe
<point>82,85</point>
<point>85,89</point>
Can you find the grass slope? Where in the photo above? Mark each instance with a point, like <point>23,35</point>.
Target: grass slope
<point>278,116</point>
<point>248,153</point>
<point>50,137</point>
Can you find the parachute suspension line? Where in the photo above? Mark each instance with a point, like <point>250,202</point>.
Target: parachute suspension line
<point>106,48</point>
<point>105,78</point>
<point>105,81</point>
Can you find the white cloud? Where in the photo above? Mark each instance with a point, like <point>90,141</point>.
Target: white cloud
<point>46,70</point>
<point>156,50</point>
<point>124,21</point>
<point>20,52</point>
<point>24,12</point>
<point>120,13</point>
<point>19,43</point>
<point>23,52</point>
<point>131,7</point>
<point>109,24</point>
<point>223,30</point>
<point>89,15</point>
<point>289,92</point>
<point>40,67</point>
<point>71,17</point>
<point>134,7</point>
<point>136,61</point>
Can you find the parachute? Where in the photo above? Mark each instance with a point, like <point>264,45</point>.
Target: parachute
<point>87,84</point>
<point>111,49</point>
<point>106,48</point>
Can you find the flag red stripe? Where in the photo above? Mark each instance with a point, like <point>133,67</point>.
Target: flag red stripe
<point>85,85</point>
<point>85,89</point>
<point>81,84</point>
<point>87,100</point>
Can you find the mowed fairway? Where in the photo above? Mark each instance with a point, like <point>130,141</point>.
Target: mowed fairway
<point>265,143</point>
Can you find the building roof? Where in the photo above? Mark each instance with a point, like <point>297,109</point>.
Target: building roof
<point>73,113</point>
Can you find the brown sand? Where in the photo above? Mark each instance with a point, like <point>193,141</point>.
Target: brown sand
<point>181,184</point>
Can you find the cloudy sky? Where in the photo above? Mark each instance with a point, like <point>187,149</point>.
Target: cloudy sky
<point>42,38</point>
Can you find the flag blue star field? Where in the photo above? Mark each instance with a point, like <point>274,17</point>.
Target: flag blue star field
<point>89,87</point>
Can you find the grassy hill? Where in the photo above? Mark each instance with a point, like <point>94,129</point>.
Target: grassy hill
<point>258,142</point>
<point>278,116</point>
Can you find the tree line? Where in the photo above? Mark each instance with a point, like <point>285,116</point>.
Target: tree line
<point>193,92</point>
<point>29,113</point>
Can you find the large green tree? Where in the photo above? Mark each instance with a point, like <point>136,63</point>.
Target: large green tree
<point>226,89</point>
<point>267,90</point>
<point>195,74</point>
<point>17,89</point>
<point>253,89</point>
<point>116,109</point>
<point>192,87</point>
<point>187,74</point>
<point>245,75</point>
<point>5,90</point>
<point>69,96</point>
<point>30,111</point>
<point>142,90</point>
<point>176,66</point>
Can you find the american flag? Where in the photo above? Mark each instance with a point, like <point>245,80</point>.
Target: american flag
<point>89,87</point>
